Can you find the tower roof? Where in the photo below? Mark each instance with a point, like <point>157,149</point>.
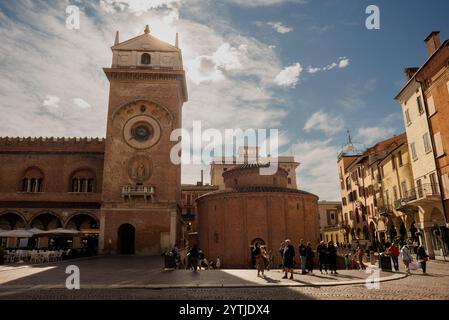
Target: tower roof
<point>145,42</point>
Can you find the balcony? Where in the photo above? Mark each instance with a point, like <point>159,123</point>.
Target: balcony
<point>426,194</point>
<point>385,210</point>
<point>131,191</point>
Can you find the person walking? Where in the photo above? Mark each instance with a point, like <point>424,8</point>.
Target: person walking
<point>422,257</point>
<point>218,263</point>
<point>281,253</point>
<point>332,256</point>
<point>322,256</point>
<point>303,256</point>
<point>288,260</point>
<point>260,263</point>
<point>309,257</point>
<point>193,257</point>
<point>393,251</point>
<point>406,256</point>
<point>360,255</point>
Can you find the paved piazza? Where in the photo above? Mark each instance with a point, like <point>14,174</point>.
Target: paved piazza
<point>125,277</point>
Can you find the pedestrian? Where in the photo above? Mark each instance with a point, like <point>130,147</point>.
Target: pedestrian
<point>393,251</point>
<point>303,256</point>
<point>218,263</point>
<point>360,255</point>
<point>422,257</point>
<point>288,260</point>
<point>332,256</point>
<point>309,257</point>
<point>347,262</point>
<point>281,253</point>
<point>193,257</point>
<point>406,256</point>
<point>322,256</point>
<point>260,264</point>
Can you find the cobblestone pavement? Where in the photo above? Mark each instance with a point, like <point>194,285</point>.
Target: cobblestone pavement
<point>22,283</point>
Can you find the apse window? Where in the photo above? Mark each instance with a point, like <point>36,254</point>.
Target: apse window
<point>145,59</point>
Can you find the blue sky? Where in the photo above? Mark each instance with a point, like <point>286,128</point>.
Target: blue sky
<point>308,68</point>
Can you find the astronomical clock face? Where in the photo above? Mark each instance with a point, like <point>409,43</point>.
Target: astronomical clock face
<point>142,132</point>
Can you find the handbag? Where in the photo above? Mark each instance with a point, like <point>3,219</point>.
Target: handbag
<point>413,265</point>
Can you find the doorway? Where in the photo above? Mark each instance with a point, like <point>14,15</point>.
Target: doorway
<point>126,239</point>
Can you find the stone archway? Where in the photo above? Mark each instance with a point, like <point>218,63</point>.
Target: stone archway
<point>46,221</point>
<point>11,221</point>
<point>126,239</point>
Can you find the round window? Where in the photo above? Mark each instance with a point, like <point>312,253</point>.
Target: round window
<point>142,131</point>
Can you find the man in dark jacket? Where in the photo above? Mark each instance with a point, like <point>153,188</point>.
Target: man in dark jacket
<point>303,255</point>
<point>288,259</point>
<point>322,256</point>
<point>332,256</point>
<point>422,257</point>
<point>194,256</point>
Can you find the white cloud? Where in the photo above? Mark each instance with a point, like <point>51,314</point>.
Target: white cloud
<point>272,46</point>
<point>289,77</point>
<point>370,135</point>
<point>137,7</point>
<point>317,172</point>
<point>343,62</point>
<point>279,27</point>
<point>327,123</point>
<point>80,103</point>
<point>51,101</point>
<point>261,3</point>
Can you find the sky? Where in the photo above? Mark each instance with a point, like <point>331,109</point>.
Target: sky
<point>309,68</point>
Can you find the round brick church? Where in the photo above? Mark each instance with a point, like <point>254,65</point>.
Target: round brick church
<point>254,208</point>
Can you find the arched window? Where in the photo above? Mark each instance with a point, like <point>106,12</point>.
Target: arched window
<point>145,59</point>
<point>33,181</point>
<point>82,181</point>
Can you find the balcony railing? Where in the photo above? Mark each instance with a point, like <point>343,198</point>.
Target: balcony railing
<point>424,191</point>
<point>385,209</point>
<point>136,191</point>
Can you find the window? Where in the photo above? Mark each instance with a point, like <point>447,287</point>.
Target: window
<point>431,105</point>
<point>33,181</point>
<point>83,182</point>
<point>413,151</point>
<point>427,145</point>
<point>419,187</point>
<point>420,106</point>
<point>387,197</point>
<point>395,193</point>
<point>145,59</point>
<point>393,162</point>
<point>382,172</point>
<point>400,159</point>
<point>289,180</point>
<point>407,117</point>
<point>404,187</point>
<point>438,144</point>
<point>343,201</point>
<point>348,183</point>
<point>434,184</point>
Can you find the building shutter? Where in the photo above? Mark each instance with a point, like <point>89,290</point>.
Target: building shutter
<point>438,144</point>
<point>431,105</point>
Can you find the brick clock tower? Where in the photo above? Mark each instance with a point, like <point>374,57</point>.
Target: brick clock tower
<point>141,186</point>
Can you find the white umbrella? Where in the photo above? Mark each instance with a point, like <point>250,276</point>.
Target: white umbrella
<point>17,233</point>
<point>61,231</point>
<point>35,231</point>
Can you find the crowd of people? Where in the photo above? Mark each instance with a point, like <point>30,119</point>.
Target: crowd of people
<point>327,254</point>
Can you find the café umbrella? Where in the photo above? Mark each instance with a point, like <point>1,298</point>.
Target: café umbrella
<point>60,232</point>
<point>17,233</point>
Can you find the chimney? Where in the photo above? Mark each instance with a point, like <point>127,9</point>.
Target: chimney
<point>410,72</point>
<point>433,42</point>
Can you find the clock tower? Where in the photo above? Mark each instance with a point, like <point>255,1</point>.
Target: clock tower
<point>141,186</point>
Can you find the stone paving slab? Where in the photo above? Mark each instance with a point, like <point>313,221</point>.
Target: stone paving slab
<point>126,272</point>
